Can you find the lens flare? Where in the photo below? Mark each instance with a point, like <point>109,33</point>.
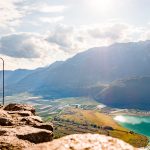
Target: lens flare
<point>120,118</point>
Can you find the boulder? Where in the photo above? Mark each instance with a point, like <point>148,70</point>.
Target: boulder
<point>19,107</point>
<point>84,142</point>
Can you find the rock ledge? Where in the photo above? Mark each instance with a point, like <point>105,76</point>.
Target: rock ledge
<point>21,128</point>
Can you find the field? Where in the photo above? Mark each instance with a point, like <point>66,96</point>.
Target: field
<point>76,120</point>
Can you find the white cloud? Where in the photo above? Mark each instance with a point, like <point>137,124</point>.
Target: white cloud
<point>44,7</point>
<point>74,39</point>
<point>15,63</point>
<point>28,50</point>
<point>51,19</point>
<point>50,9</point>
<point>62,35</point>
<point>23,45</point>
<point>9,13</point>
<point>14,13</point>
<point>111,31</point>
<point>63,41</point>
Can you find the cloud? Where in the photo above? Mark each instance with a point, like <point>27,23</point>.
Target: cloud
<point>51,19</point>
<point>62,35</point>
<point>50,9</point>
<point>29,50</point>
<point>9,13</point>
<point>44,8</point>
<point>63,41</point>
<point>22,45</point>
<point>69,38</point>
<point>110,31</point>
<point>74,39</point>
<point>13,13</point>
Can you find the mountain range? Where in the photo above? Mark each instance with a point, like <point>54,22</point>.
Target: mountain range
<point>116,75</point>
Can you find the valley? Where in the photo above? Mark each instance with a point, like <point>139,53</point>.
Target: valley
<point>113,77</point>
<point>82,94</point>
<point>81,115</point>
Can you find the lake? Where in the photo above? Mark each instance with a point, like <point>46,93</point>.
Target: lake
<point>137,124</point>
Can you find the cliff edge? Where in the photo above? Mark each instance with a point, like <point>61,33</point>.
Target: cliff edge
<point>21,129</point>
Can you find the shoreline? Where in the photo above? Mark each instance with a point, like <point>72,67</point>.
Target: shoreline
<point>129,113</point>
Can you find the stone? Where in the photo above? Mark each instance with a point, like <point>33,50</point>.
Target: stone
<point>20,113</point>
<point>4,114</point>
<point>19,107</point>
<point>2,132</point>
<point>46,126</point>
<point>13,143</point>
<point>20,128</point>
<point>34,135</point>
<point>6,121</point>
<point>37,137</point>
<point>37,118</point>
<point>84,142</point>
<point>30,120</point>
<point>28,133</point>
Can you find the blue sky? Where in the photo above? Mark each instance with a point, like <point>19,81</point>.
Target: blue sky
<point>35,33</point>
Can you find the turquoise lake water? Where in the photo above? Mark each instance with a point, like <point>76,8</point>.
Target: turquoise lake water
<point>137,124</point>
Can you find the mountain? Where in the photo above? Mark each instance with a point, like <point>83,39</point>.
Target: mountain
<point>97,65</point>
<point>86,73</point>
<point>128,93</point>
<point>13,77</point>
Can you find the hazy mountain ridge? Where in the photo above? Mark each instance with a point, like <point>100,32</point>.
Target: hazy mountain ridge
<point>129,93</point>
<point>96,66</point>
<point>15,76</point>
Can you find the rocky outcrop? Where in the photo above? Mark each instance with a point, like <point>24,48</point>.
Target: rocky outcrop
<point>19,107</point>
<point>84,142</point>
<point>20,128</point>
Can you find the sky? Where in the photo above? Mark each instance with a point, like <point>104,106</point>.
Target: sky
<point>36,33</point>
